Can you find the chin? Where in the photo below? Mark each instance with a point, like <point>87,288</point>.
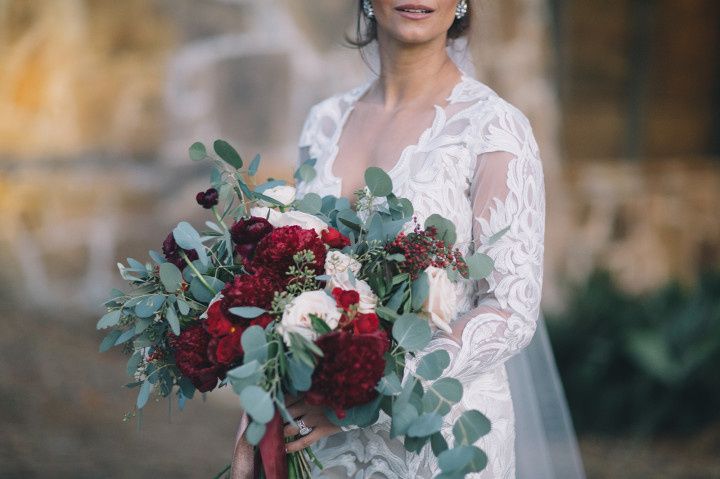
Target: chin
<point>414,33</point>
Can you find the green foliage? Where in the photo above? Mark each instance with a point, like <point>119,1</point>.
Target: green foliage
<point>640,364</point>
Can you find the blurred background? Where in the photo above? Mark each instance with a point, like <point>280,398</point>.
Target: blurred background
<point>100,99</point>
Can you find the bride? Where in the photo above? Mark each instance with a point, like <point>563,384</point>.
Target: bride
<point>452,146</point>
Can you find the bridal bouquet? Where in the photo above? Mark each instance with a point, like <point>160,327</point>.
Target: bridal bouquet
<point>281,296</point>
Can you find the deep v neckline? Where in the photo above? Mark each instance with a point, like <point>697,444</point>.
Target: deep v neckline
<point>338,181</point>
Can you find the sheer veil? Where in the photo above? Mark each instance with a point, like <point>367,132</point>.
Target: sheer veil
<point>545,441</point>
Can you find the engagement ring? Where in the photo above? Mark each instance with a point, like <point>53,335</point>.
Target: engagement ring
<point>304,430</point>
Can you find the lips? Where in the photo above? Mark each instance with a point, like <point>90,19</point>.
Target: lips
<point>414,8</point>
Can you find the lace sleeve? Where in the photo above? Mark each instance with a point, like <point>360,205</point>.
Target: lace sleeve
<point>507,194</point>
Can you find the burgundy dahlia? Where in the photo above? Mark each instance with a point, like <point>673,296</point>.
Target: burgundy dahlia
<point>191,357</point>
<point>250,230</point>
<point>255,289</point>
<point>276,250</point>
<point>171,251</point>
<point>207,199</point>
<point>351,367</point>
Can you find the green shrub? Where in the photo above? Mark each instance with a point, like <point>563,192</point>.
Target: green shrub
<point>640,364</point>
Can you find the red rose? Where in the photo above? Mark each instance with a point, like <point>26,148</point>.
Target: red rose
<point>217,324</point>
<point>191,357</point>
<point>366,323</point>
<point>345,298</point>
<point>276,250</point>
<point>334,239</point>
<point>227,349</point>
<point>256,289</point>
<point>351,367</point>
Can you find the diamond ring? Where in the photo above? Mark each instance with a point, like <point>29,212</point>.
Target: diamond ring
<point>303,428</point>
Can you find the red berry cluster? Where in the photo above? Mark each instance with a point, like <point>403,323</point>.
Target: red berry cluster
<point>422,248</point>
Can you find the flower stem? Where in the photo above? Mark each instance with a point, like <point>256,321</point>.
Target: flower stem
<point>218,217</point>
<point>197,273</point>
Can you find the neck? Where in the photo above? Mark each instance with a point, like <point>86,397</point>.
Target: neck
<point>409,73</point>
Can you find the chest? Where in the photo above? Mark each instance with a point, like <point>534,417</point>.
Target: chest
<point>373,137</point>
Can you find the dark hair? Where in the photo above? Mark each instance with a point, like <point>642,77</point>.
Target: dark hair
<point>366,29</point>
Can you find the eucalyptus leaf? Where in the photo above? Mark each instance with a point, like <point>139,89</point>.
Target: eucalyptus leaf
<point>142,324</point>
<point>403,415</point>
<point>144,394</point>
<point>445,228</point>
<point>425,425</point>
<point>254,165</point>
<point>254,344</point>
<point>109,319</point>
<point>300,374</point>
<point>442,395</point>
<point>420,290</point>
<point>319,325</point>
<point>136,265</point>
<point>311,203</point>
<point>306,172</point>
<point>390,385</point>
<point>248,312</point>
<point>197,151</point>
<point>438,444</point>
<point>187,387</point>
<point>149,305</point>
<point>361,416</point>
<point>200,292</point>
<point>456,459</point>
<point>255,432</point>
<point>479,265</point>
<point>173,320</point>
<point>411,332</point>
<point>133,363</point>
<point>225,151</point>
<point>171,277</point>
<point>470,426</point>
<point>378,182</point>
<point>125,336</point>
<point>183,307</point>
<point>257,403</point>
<point>188,238</point>
<point>433,364</point>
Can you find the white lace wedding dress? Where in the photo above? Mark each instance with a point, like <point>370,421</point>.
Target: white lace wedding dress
<point>477,165</point>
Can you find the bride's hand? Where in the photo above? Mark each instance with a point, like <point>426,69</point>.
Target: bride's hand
<point>314,418</point>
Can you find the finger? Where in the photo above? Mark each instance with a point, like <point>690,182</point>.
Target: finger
<point>290,400</point>
<point>310,419</point>
<point>306,441</point>
<point>298,409</point>
<point>290,431</point>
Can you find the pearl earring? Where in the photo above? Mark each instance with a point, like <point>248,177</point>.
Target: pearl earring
<point>461,9</point>
<point>368,9</point>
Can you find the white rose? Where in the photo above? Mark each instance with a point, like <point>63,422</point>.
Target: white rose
<point>368,299</point>
<point>264,212</point>
<point>284,194</point>
<point>290,218</point>
<point>441,303</point>
<point>337,263</point>
<point>296,317</point>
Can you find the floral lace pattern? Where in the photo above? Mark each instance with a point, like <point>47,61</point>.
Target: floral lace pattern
<point>477,165</point>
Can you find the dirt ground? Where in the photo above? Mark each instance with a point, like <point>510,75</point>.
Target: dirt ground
<point>62,406</point>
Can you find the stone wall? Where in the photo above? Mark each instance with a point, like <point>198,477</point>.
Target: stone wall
<point>100,99</point>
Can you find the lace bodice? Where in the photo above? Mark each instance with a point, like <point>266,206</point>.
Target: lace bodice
<point>477,165</point>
